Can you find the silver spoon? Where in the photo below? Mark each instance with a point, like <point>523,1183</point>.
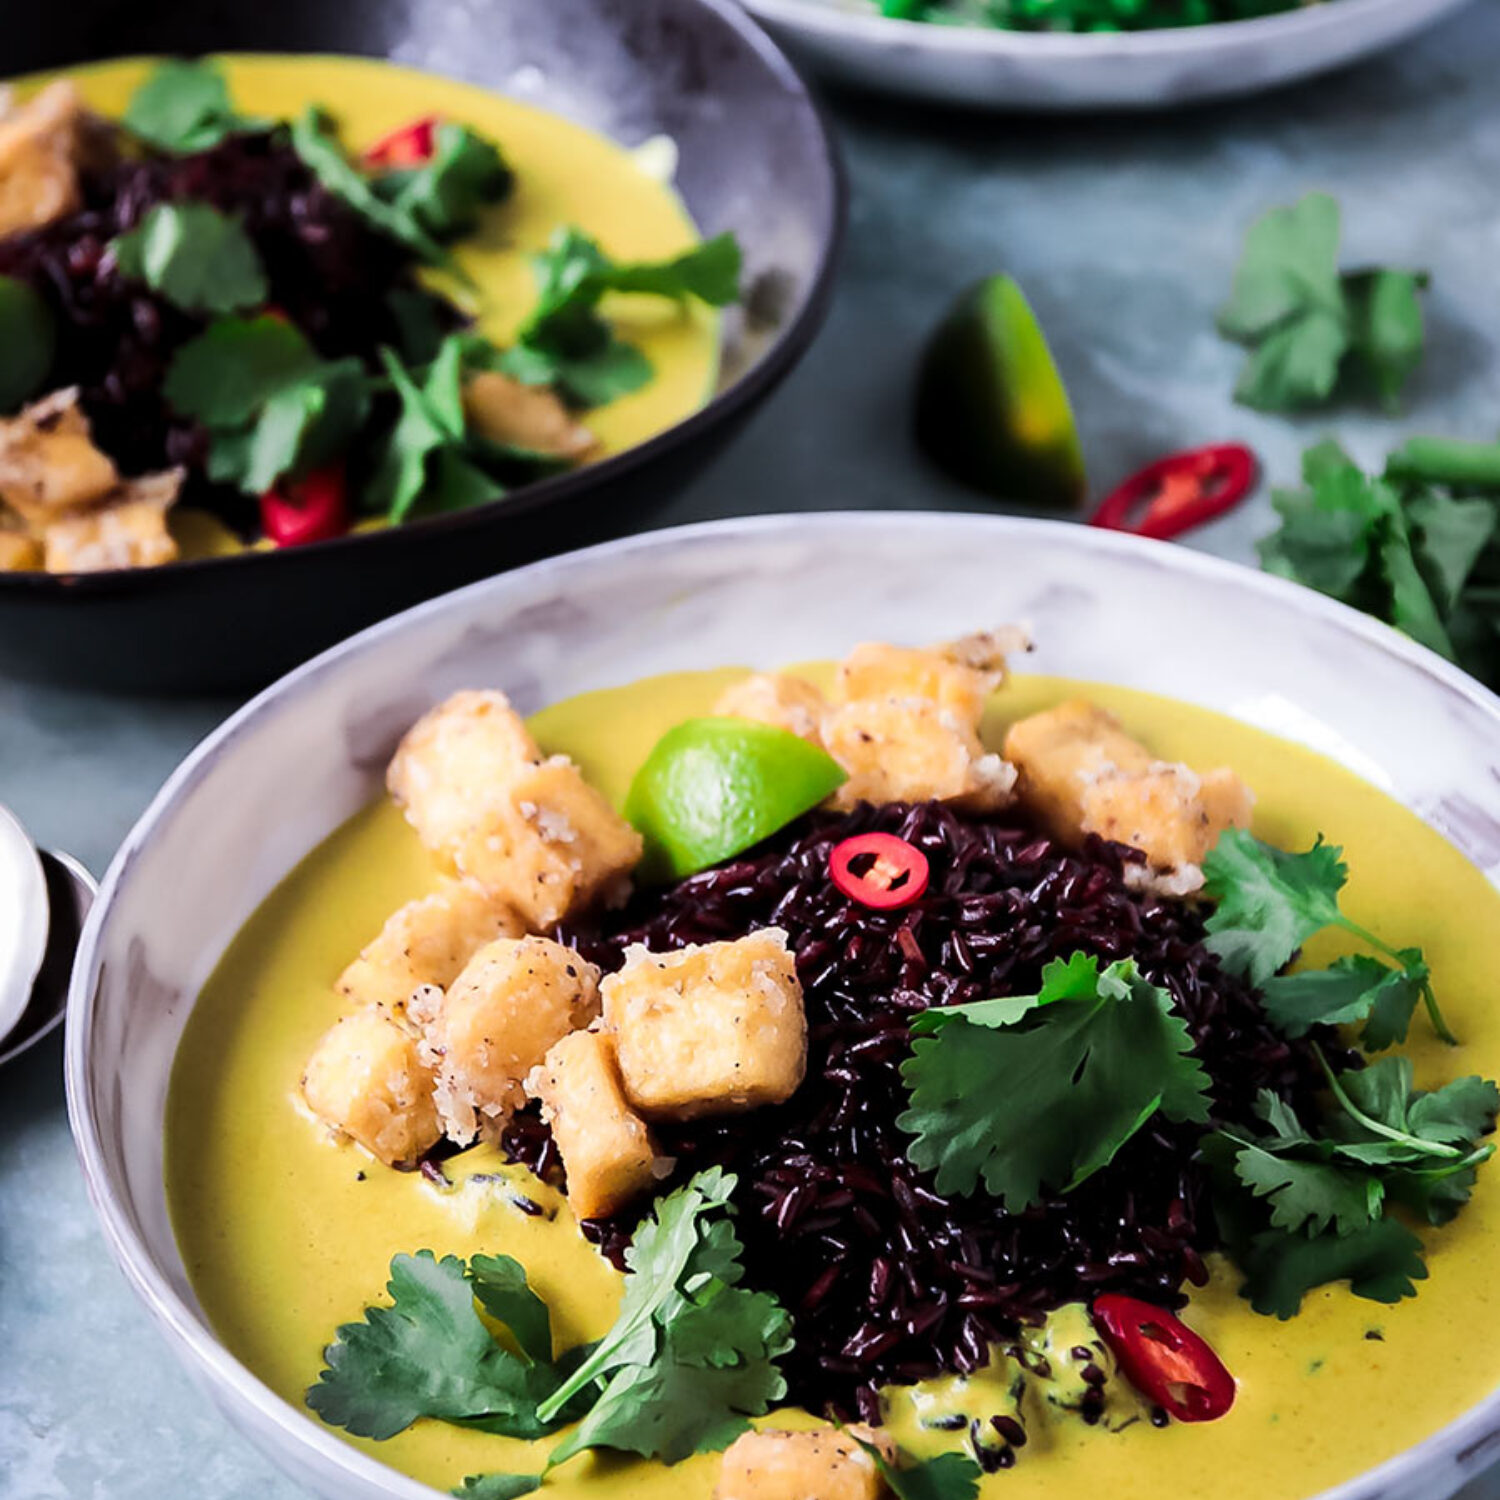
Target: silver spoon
<point>39,891</point>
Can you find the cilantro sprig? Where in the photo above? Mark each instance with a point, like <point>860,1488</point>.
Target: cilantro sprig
<point>1082,1065</point>
<point>1417,545</point>
<point>949,1476</point>
<point>690,1359</point>
<point>1269,903</point>
<point>569,344</point>
<point>1311,328</point>
<point>1314,1204</point>
<point>272,405</point>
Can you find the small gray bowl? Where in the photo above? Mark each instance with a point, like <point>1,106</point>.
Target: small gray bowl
<point>289,768</point>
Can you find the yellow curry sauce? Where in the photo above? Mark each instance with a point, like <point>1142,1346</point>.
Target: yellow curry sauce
<point>564,175</point>
<point>286,1233</point>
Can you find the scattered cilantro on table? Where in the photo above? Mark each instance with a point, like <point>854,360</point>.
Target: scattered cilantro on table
<point>272,405</point>
<point>183,106</point>
<point>200,260</point>
<point>1269,902</point>
<point>691,1357</point>
<point>1085,1063</point>
<point>568,343</point>
<point>1311,328</point>
<point>1416,546</point>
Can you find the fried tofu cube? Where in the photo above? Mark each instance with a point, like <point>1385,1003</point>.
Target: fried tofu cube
<point>513,1000</point>
<point>556,846</point>
<point>127,529</point>
<point>605,1146</point>
<point>41,146</point>
<point>48,462</point>
<point>524,416</point>
<point>1080,773</point>
<point>367,1081</point>
<point>958,676</point>
<point>825,1464</point>
<point>427,942</point>
<point>913,750</point>
<point>710,1029</point>
<point>778,699</point>
<point>532,832</point>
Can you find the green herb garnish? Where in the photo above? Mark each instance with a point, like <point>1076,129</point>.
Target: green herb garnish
<point>200,260</point>
<point>568,343</point>
<point>949,1476</point>
<point>28,342</point>
<point>498,1486</point>
<point>272,405</point>
<point>1416,547</point>
<point>1308,326</point>
<point>1084,1063</point>
<point>184,106</point>
<point>1270,902</point>
<point>690,1359</point>
<point>445,195</point>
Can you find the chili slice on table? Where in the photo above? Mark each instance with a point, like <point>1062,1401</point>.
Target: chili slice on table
<point>878,870</point>
<point>1179,492</point>
<point>1164,1359</point>
<point>311,509</point>
<point>409,145</point>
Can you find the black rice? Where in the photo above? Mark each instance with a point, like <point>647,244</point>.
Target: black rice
<point>888,1280</point>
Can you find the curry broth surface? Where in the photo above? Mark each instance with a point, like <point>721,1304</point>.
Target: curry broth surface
<point>564,175</point>
<point>286,1234</point>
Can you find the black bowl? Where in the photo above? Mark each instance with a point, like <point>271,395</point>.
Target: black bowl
<point>755,158</point>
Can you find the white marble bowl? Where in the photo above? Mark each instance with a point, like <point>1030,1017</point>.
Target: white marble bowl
<point>288,769</point>
<point>849,41</point>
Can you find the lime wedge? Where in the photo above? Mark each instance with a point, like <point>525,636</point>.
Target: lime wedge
<point>28,339</point>
<point>991,408</point>
<point>711,788</point>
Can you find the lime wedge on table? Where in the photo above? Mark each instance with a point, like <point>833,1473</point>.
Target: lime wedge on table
<point>991,408</point>
<point>711,788</point>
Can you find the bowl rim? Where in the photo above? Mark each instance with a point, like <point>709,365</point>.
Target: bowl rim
<point>191,1337</point>
<point>790,343</point>
<point>832,23</point>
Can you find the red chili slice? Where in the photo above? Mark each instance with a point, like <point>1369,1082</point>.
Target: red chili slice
<point>879,870</point>
<point>1180,492</point>
<point>311,509</point>
<point>1164,1359</point>
<point>407,146</point>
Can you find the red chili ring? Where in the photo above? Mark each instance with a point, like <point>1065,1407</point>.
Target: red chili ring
<point>408,145</point>
<point>1164,1359</point>
<point>892,872</point>
<point>311,509</point>
<point>1179,492</point>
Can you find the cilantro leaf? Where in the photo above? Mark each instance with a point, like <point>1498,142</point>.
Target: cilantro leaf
<point>1269,901</point>
<point>1306,325</point>
<point>271,404</point>
<point>315,140</point>
<point>497,1486</point>
<point>445,195</point>
<point>949,1476</point>
<point>1353,988</point>
<point>502,1289</point>
<point>1451,536</point>
<point>567,343</point>
<point>184,106</point>
<point>198,259</point>
<point>28,342</point>
<point>1309,1195</point>
<point>1086,1065</point>
<point>426,1355</point>
<point>1385,327</point>
<point>1380,1262</point>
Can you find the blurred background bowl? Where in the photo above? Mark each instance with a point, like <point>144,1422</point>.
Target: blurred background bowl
<point>755,158</point>
<point>849,41</point>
